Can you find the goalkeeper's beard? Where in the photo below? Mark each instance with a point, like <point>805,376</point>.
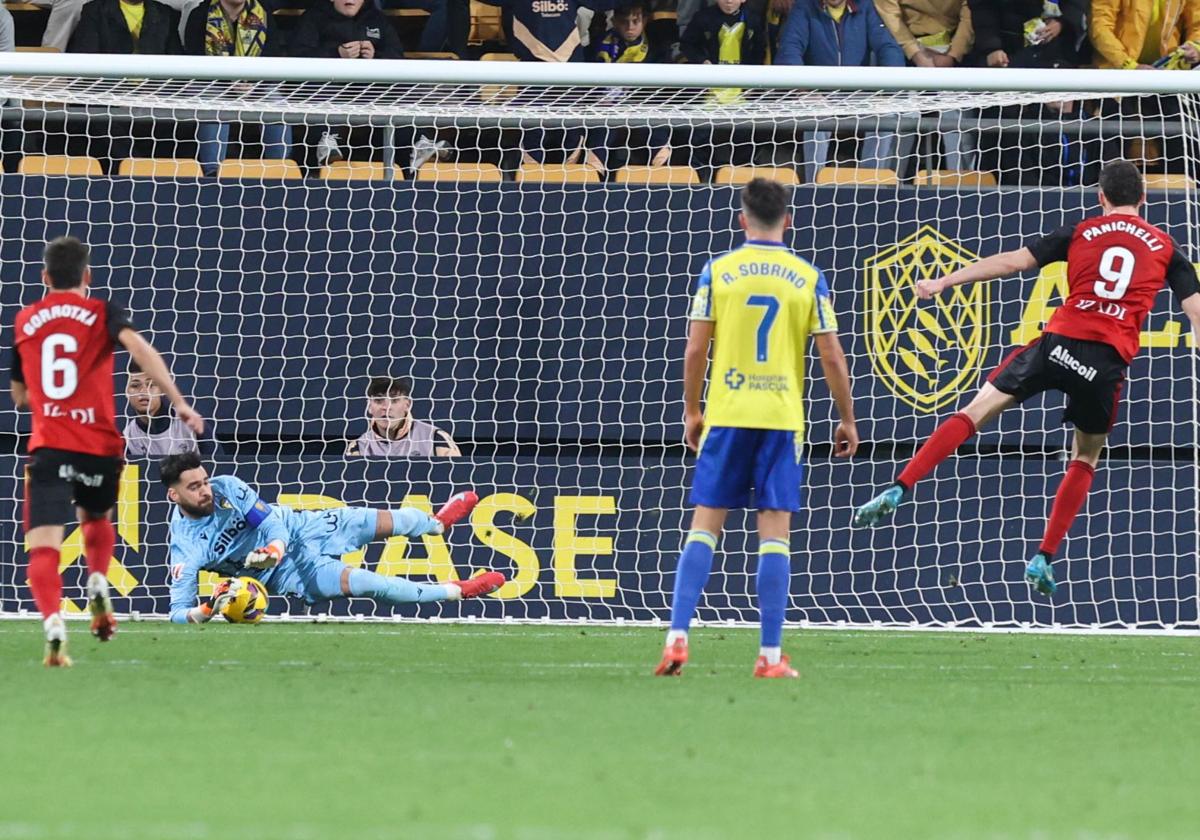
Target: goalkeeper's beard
<point>198,511</point>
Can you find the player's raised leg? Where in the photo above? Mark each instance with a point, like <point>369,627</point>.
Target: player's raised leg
<point>1068,501</point>
<point>945,440</point>
<point>695,565</point>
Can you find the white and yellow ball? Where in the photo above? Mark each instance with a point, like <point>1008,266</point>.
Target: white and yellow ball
<point>249,605</point>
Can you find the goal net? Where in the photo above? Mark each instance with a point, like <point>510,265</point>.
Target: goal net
<point>518,243</point>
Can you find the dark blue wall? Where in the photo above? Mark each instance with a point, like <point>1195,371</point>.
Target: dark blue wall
<point>558,316</point>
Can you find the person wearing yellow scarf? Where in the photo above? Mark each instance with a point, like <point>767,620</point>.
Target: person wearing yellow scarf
<point>233,28</point>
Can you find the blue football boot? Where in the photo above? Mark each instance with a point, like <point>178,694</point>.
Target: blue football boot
<point>1039,575</point>
<point>879,507</point>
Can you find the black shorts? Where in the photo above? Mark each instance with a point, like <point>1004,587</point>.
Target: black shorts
<point>58,481</point>
<point>1090,373</point>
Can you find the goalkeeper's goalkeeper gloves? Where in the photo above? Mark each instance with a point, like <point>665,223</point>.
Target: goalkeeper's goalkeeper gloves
<point>267,557</point>
<point>222,595</point>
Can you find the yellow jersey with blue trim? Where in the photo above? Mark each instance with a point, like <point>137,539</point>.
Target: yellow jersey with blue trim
<point>764,302</point>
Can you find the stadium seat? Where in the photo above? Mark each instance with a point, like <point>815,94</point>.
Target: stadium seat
<point>24,7</point>
<point>58,165</point>
<point>857,176</point>
<point>358,170</point>
<point>432,56</point>
<point>406,13</point>
<point>678,176</point>
<point>739,175</point>
<point>263,170</point>
<point>289,12</point>
<point>664,15</point>
<point>160,168</point>
<point>954,178</point>
<point>1169,182</point>
<point>478,172</point>
<point>498,57</point>
<point>38,49</point>
<point>561,173</point>
<point>486,24</point>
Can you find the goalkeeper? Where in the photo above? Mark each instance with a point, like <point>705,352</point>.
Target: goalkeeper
<point>221,525</point>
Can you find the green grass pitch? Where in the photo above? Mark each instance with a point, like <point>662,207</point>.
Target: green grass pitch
<point>304,732</point>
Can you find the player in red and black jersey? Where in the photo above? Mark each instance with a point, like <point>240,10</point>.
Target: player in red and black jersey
<point>1116,264</point>
<point>62,371</point>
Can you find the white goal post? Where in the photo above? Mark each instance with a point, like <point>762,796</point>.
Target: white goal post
<point>520,241</point>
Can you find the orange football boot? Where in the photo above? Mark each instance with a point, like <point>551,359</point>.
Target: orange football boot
<point>782,668</point>
<point>674,657</point>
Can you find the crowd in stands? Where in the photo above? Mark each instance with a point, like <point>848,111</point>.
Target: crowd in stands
<point>1119,34</point>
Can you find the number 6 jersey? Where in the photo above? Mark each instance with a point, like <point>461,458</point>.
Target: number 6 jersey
<point>1116,266</point>
<point>63,353</point>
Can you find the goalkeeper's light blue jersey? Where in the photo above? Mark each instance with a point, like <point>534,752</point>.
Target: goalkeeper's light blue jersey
<point>240,523</point>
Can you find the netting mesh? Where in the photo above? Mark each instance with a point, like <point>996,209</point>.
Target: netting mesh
<point>525,257</point>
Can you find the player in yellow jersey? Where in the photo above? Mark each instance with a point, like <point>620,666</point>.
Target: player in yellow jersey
<point>757,305</point>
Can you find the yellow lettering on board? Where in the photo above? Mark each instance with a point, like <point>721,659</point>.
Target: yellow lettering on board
<point>524,558</point>
<point>435,564</point>
<point>568,545</point>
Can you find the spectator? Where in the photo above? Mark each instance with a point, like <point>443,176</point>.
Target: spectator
<point>8,33</point>
<point>1150,34</point>
<point>436,29</point>
<point>153,432</point>
<point>933,33</point>
<point>237,28</point>
<point>1138,34</point>
<point>725,33</point>
<point>546,30</point>
<point>1033,33</point>
<point>127,27</point>
<point>349,29</point>
<point>393,433</point>
<point>1056,38</point>
<point>776,19</point>
<point>62,23</point>
<point>846,33</point>
<point>626,43</point>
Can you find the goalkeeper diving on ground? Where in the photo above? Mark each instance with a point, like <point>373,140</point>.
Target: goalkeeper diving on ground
<point>221,525</point>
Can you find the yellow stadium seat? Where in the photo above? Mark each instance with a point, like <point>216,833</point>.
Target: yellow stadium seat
<point>1169,182</point>
<point>954,178</point>
<point>857,176</point>
<point>58,165</point>
<point>478,172</point>
<point>39,49</point>
<point>160,168</point>
<point>562,173</point>
<point>678,176</point>
<point>289,12</point>
<point>498,57</point>
<point>664,15</point>
<point>406,13</point>
<point>23,7</point>
<point>486,24</point>
<point>740,175</point>
<point>263,170</point>
<point>358,170</point>
<point>432,56</point>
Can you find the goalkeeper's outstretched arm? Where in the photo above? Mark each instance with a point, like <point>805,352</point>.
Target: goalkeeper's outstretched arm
<point>1191,308</point>
<point>988,268</point>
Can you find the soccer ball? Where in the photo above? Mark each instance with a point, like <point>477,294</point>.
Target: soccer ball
<point>249,606</point>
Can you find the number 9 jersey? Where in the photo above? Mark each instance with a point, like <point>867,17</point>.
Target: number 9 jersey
<point>63,354</point>
<point>765,302</point>
<point>1116,265</point>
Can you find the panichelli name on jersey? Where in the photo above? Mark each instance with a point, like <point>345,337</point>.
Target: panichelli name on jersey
<point>59,310</point>
<point>1121,226</point>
